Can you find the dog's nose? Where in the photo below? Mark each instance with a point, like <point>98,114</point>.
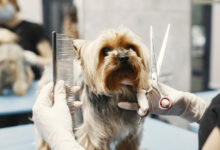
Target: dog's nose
<point>123,59</point>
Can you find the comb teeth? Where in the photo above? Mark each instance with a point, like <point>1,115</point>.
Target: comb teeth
<point>64,62</point>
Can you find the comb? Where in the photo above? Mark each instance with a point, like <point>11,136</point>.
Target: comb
<point>63,61</point>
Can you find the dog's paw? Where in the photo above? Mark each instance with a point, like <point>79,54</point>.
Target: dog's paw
<point>20,88</point>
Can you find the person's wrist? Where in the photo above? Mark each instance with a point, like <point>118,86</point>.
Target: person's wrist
<point>60,138</point>
<point>195,107</point>
<point>67,142</point>
<point>186,101</point>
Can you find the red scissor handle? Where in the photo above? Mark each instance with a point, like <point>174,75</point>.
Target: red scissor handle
<point>167,106</point>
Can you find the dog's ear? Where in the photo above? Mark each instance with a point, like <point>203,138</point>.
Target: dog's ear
<point>79,45</point>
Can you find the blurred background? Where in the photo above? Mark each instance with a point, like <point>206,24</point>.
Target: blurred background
<point>191,61</point>
<point>194,30</point>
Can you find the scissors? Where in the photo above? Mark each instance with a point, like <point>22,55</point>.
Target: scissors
<point>164,103</point>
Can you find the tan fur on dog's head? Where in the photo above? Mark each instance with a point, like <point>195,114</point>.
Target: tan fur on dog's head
<point>114,56</point>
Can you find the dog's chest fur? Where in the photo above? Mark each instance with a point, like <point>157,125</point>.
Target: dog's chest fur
<point>117,123</point>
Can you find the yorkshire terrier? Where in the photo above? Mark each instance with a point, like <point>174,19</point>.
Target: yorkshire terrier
<point>15,73</point>
<point>116,55</point>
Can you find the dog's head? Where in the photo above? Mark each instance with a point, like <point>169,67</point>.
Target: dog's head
<point>114,56</point>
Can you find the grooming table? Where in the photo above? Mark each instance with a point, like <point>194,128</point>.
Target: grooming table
<point>157,136</point>
<point>162,136</point>
<point>207,96</point>
<point>11,104</point>
<point>17,138</point>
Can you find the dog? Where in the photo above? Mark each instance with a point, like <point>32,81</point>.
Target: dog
<point>15,73</point>
<point>115,55</point>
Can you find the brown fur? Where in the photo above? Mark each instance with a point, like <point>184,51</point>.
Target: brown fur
<point>103,121</point>
<point>14,72</point>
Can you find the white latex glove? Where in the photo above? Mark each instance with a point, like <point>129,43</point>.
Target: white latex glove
<point>186,105</point>
<point>6,36</point>
<point>54,122</point>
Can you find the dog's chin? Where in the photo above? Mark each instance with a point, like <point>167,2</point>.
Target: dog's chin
<point>124,72</point>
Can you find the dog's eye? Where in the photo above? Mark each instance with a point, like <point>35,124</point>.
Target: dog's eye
<point>105,50</point>
<point>130,47</point>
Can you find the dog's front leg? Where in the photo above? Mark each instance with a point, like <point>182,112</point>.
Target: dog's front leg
<point>20,84</point>
<point>1,81</point>
<point>90,141</point>
<point>29,75</point>
<point>1,87</point>
<point>129,143</point>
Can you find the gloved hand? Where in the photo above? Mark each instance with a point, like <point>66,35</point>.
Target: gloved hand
<point>54,121</point>
<point>186,105</point>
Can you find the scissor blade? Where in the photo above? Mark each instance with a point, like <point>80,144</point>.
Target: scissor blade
<point>162,50</point>
<point>153,57</point>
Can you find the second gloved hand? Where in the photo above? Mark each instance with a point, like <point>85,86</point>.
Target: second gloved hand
<point>186,105</point>
<point>54,121</point>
